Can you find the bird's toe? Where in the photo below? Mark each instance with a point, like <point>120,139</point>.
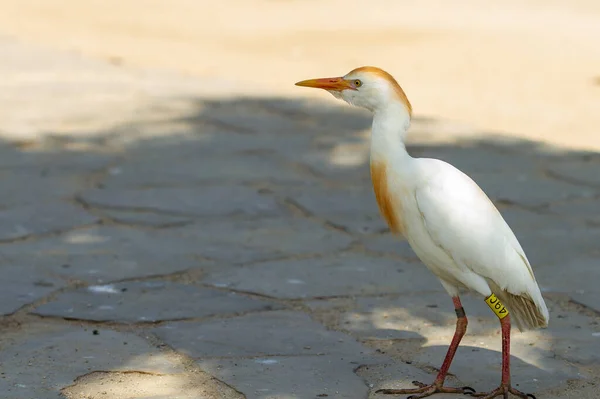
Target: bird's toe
<point>503,391</point>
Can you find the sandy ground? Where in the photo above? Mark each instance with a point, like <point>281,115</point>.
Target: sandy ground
<point>525,68</point>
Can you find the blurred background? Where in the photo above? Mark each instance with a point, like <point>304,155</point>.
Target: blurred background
<point>179,220</point>
<point>528,68</point>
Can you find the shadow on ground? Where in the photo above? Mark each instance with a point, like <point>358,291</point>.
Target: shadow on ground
<point>240,237</point>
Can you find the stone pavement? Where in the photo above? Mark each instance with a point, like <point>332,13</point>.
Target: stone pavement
<point>160,239</point>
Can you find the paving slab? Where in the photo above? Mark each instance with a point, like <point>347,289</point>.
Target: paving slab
<point>212,201</point>
<point>105,266</point>
<point>584,172</point>
<point>389,244</point>
<point>343,275</point>
<point>581,286</point>
<point>352,208</point>
<point>326,376</point>
<point>573,390</point>
<point>583,211</point>
<point>556,247</point>
<point>573,337</point>
<point>144,218</point>
<point>248,241</point>
<point>342,163</point>
<point>524,221</point>
<point>275,333</point>
<point>148,301</point>
<point>203,169</point>
<point>40,188</point>
<point>23,283</point>
<point>472,158</point>
<point>275,354</point>
<point>30,357</point>
<point>101,254</point>
<point>530,189</point>
<point>33,220</point>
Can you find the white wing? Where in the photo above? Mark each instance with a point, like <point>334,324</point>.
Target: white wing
<point>462,220</point>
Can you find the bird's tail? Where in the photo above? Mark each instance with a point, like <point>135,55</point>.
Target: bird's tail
<point>527,313</point>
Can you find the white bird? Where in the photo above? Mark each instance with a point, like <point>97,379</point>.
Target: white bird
<point>449,222</point>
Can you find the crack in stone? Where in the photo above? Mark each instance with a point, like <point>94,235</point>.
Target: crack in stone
<point>296,208</point>
<point>54,233</point>
<point>134,209</point>
<point>117,323</point>
<point>97,178</point>
<point>98,207</point>
<point>334,226</point>
<point>163,226</point>
<point>143,325</point>
<point>250,294</point>
<point>26,308</point>
<point>309,170</point>
<point>584,309</point>
<point>178,276</point>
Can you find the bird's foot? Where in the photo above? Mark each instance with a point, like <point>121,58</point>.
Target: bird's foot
<point>502,390</point>
<point>425,390</point>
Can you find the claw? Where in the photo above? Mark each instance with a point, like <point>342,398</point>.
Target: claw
<point>469,391</point>
<point>502,390</point>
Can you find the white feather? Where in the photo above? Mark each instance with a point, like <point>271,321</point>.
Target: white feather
<point>482,251</point>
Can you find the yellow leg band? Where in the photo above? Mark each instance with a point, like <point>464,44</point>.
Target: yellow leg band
<point>494,303</point>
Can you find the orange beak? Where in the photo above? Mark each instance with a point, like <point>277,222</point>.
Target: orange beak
<point>327,84</point>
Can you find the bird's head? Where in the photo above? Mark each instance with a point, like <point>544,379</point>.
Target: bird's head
<point>367,87</point>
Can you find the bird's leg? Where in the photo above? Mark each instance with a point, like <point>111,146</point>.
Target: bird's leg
<point>505,388</point>
<point>425,390</point>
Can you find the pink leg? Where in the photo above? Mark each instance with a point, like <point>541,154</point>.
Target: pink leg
<point>437,386</point>
<point>505,327</point>
<point>461,329</point>
<point>505,388</point>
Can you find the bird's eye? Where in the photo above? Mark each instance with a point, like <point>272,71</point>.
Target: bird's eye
<point>357,83</point>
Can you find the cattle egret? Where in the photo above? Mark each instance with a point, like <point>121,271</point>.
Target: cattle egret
<point>449,222</point>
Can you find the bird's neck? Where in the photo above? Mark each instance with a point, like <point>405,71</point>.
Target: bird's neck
<point>390,125</point>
